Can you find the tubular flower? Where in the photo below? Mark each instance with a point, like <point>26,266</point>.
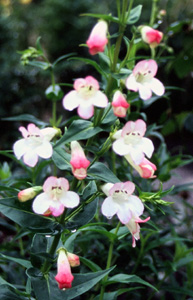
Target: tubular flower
<point>120,105</point>
<point>142,80</point>
<point>78,161</point>
<point>145,169</point>
<point>29,193</point>
<point>120,201</point>
<point>85,96</point>
<point>55,197</point>
<point>98,38</point>
<point>35,142</point>
<point>151,36</point>
<point>134,228</point>
<point>64,276</point>
<point>131,142</point>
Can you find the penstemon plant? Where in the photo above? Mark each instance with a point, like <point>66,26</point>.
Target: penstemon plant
<point>87,183</point>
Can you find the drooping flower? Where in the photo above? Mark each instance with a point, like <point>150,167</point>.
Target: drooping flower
<point>131,141</point>
<point>120,201</point>
<point>142,80</point>
<point>29,193</point>
<point>151,36</point>
<point>85,96</point>
<point>55,198</point>
<point>78,161</point>
<point>134,228</point>
<point>35,142</point>
<point>98,38</point>
<point>145,169</point>
<point>120,105</point>
<point>64,276</point>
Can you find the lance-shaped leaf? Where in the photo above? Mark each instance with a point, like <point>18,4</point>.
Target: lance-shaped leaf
<point>100,171</point>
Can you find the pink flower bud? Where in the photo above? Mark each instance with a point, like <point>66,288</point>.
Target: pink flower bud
<point>119,105</point>
<point>64,276</point>
<point>73,259</point>
<point>151,36</point>
<point>79,162</point>
<point>97,39</point>
<point>29,193</point>
<point>145,169</point>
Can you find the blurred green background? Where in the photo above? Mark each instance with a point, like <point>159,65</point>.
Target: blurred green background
<point>63,30</point>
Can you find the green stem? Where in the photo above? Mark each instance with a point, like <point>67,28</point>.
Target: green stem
<point>46,266</point>
<point>109,259</point>
<point>153,12</point>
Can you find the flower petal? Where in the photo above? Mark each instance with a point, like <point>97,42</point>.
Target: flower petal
<point>99,99</point>
<point>44,150</point>
<point>136,155</point>
<point>106,188</point>
<point>86,112</point>
<point>147,146</point>
<point>30,158</point>
<point>71,100</point>
<point>109,208</point>
<point>131,83</point>
<point>144,92</point>
<point>56,208</point>
<point>124,214</point>
<point>135,205</point>
<point>120,147</point>
<point>20,147</point>
<point>70,199</point>
<point>41,204</point>
<point>157,87</point>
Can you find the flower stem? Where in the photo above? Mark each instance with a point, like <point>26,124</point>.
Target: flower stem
<point>109,259</point>
<point>46,266</point>
<point>153,12</point>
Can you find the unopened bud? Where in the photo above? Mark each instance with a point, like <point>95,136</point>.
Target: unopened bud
<point>29,193</point>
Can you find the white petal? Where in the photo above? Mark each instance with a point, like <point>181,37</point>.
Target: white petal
<point>106,188</point>
<point>136,155</point>
<point>41,203</point>
<point>70,200</point>
<point>99,99</point>
<point>144,92</point>
<point>135,205</point>
<point>45,150</point>
<point>30,158</point>
<point>19,148</point>
<point>147,146</point>
<point>117,134</point>
<point>109,208</point>
<point>124,214</point>
<point>157,87</point>
<point>71,100</point>
<point>49,133</point>
<point>120,147</point>
<point>131,83</point>
<point>86,112</point>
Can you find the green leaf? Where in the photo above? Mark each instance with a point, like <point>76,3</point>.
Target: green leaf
<point>28,118</point>
<point>84,216</point>
<point>90,264</point>
<point>92,63</point>
<point>54,93</point>
<point>61,159</point>
<point>38,45</point>
<point>134,15</point>
<point>100,230</point>
<point>9,293</point>
<point>15,211</point>
<point>109,18</point>
<point>78,130</point>
<point>100,171</point>
<point>81,284</point>
<point>124,278</point>
<point>62,58</point>
<point>40,284</point>
<point>24,263</point>
<point>40,64</point>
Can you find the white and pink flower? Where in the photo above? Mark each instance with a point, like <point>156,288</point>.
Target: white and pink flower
<point>78,161</point>
<point>130,141</point>
<point>55,198</point>
<point>151,36</point>
<point>98,38</point>
<point>120,201</point>
<point>84,97</point>
<point>134,228</point>
<point>142,80</point>
<point>145,169</point>
<point>35,143</point>
<point>64,276</point>
<point>120,105</point>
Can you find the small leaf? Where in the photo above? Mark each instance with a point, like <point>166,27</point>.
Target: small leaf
<point>90,264</point>
<point>134,15</point>
<point>92,63</point>
<point>54,93</point>
<point>28,118</point>
<point>100,171</point>
<point>40,64</point>
<point>78,130</point>
<point>24,263</point>
<point>61,159</point>
<point>62,58</point>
